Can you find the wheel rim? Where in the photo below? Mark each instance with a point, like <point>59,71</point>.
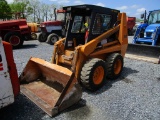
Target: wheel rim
<point>14,40</point>
<point>98,75</point>
<point>117,66</point>
<point>54,39</point>
<point>34,36</point>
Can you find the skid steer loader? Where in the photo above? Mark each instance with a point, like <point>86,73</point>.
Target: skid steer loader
<point>93,49</point>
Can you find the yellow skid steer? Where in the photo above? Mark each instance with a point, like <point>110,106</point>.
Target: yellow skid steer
<point>93,49</point>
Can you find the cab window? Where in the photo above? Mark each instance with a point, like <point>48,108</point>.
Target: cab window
<point>101,23</point>
<point>79,24</point>
<point>76,24</point>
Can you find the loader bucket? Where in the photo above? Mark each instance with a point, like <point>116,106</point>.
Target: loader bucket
<point>144,52</point>
<point>51,87</point>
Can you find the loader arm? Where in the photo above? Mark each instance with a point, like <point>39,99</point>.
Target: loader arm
<point>89,47</point>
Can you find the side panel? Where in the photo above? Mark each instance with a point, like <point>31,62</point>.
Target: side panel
<point>11,67</point>
<point>6,91</point>
<point>50,28</point>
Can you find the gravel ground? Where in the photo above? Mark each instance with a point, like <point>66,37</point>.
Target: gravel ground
<point>133,96</point>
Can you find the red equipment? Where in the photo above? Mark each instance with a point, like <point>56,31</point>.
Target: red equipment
<point>131,21</point>
<point>51,30</point>
<point>15,32</point>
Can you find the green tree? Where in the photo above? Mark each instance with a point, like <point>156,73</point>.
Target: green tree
<point>5,10</point>
<point>35,6</point>
<point>21,8</point>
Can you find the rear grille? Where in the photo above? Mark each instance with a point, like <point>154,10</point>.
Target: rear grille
<point>148,34</point>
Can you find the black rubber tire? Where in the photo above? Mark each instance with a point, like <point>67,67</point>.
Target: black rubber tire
<point>42,38</point>
<point>8,36</point>
<point>111,61</point>
<point>52,38</point>
<point>87,74</point>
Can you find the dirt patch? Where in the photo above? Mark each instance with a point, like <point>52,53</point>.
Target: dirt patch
<point>126,80</point>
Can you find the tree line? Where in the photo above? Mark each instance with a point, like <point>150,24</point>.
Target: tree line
<point>32,10</point>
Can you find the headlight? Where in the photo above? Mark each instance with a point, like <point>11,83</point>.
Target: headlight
<point>153,35</point>
<point>42,25</point>
<point>144,34</point>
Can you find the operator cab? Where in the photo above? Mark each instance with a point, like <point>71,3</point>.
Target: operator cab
<point>154,17</point>
<point>86,22</point>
